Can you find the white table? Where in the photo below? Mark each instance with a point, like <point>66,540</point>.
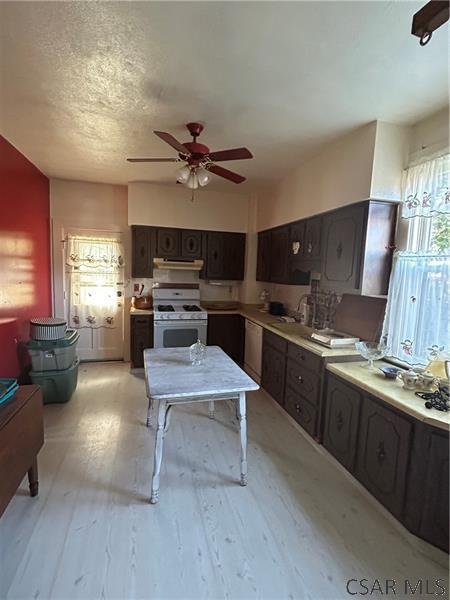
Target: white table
<point>171,379</point>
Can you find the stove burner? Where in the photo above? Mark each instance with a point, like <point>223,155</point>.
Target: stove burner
<point>165,308</point>
<point>191,308</point>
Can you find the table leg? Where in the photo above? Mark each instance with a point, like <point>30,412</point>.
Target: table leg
<point>150,412</point>
<point>211,409</point>
<point>157,459</point>
<point>243,436</point>
<point>33,478</point>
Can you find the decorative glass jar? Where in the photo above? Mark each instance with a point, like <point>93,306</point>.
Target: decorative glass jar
<point>197,353</point>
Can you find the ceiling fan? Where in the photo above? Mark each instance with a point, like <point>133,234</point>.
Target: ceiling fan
<point>198,158</point>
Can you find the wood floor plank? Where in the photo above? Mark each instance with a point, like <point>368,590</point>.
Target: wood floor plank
<point>300,529</point>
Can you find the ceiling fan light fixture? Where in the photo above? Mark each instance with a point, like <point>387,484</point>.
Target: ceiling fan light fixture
<point>183,174</point>
<point>203,176</point>
<point>192,181</point>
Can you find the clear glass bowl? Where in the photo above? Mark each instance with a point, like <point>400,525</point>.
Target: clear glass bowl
<point>371,351</point>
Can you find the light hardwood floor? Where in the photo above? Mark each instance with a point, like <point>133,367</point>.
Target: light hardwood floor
<point>300,529</point>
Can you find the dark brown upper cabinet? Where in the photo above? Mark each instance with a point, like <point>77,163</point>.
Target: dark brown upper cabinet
<point>263,260</point>
<point>223,252</point>
<point>142,251</point>
<point>191,244</point>
<point>279,253</point>
<point>357,248</point>
<point>168,243</point>
<point>312,245</point>
<point>225,256</point>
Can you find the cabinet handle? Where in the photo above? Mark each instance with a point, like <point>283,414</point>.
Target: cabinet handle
<point>339,250</point>
<point>298,408</point>
<point>391,247</point>
<point>340,421</point>
<point>381,453</point>
<point>300,379</point>
<point>310,247</point>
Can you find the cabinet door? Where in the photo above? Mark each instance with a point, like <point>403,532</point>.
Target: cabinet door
<point>142,259</point>
<point>273,373</point>
<point>215,255</point>
<point>167,243</point>
<point>263,261</point>
<point>383,454</point>
<point>341,421</point>
<point>301,410</point>
<point>342,249</point>
<point>233,256</point>
<point>228,332</point>
<point>279,255</point>
<point>312,238</point>
<point>141,338</point>
<point>191,244</point>
<point>435,517</point>
<point>299,270</point>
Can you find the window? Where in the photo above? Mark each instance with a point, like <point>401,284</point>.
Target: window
<point>417,323</point>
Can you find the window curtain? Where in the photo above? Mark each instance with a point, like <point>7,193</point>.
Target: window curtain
<point>94,267</point>
<point>425,188</point>
<point>417,321</point>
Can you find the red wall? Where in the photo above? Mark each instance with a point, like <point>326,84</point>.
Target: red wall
<point>25,273</point>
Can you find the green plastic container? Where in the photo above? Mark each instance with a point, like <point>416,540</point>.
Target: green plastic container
<point>55,355</point>
<point>57,386</point>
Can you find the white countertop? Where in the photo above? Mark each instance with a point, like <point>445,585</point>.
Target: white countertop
<point>171,375</point>
<point>389,390</point>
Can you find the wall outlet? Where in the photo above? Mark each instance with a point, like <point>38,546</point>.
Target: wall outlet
<point>136,287</point>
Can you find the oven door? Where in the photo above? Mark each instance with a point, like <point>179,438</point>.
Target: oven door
<point>180,333</point>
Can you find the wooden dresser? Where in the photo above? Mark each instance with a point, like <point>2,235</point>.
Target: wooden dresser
<point>21,438</point>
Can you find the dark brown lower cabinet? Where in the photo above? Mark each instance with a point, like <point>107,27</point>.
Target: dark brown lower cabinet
<point>228,332</point>
<point>141,338</point>
<point>301,410</point>
<point>343,405</point>
<point>273,373</point>
<point>383,454</point>
<point>434,526</point>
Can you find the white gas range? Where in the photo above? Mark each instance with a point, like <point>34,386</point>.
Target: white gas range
<point>178,317</point>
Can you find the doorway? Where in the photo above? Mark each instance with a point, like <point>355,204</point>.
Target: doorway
<point>94,292</point>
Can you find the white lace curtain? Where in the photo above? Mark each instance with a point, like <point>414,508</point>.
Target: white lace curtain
<point>94,267</point>
<point>425,188</point>
<point>417,322</point>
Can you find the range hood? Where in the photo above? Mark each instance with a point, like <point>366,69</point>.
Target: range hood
<point>180,265</point>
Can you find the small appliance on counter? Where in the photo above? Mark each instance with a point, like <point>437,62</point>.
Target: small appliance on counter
<point>276,309</point>
<point>142,302</point>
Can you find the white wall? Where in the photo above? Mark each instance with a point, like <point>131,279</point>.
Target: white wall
<point>430,135</point>
<point>339,175</point>
<point>83,205</point>
<point>171,206</point>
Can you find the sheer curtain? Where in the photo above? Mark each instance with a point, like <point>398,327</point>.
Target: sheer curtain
<point>417,322</point>
<point>94,266</point>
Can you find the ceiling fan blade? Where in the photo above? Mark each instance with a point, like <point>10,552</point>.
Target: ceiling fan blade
<point>169,139</point>
<point>226,174</point>
<point>233,154</point>
<point>147,160</point>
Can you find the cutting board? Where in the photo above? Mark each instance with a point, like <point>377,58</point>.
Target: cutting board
<point>360,316</point>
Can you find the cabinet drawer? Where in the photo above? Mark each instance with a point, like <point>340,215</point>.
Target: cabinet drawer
<point>275,341</point>
<point>301,410</point>
<point>304,357</point>
<point>302,381</point>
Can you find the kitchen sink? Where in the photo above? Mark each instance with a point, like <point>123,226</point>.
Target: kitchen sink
<point>296,329</point>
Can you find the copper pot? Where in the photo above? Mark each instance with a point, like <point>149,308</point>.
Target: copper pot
<point>143,302</point>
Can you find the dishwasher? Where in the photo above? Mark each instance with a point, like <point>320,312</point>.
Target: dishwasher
<point>253,349</point>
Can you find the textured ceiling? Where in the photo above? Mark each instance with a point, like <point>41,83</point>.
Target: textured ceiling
<point>85,83</point>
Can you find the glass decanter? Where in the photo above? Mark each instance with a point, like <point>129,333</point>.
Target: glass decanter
<point>197,353</point>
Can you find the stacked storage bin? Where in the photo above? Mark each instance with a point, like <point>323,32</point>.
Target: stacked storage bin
<point>52,349</point>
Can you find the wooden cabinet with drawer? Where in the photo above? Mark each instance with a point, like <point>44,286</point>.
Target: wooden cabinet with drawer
<point>302,381</point>
<point>273,373</point>
<point>301,410</point>
<point>141,337</point>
